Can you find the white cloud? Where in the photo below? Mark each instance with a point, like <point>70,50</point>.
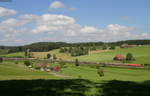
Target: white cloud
<point>51,23</point>
<point>60,5</point>
<point>116,27</point>
<point>6,12</point>
<point>11,22</point>
<point>61,28</point>
<point>88,29</point>
<point>57,4</point>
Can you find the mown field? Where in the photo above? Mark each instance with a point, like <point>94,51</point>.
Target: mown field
<point>10,70</point>
<point>141,54</point>
<point>80,81</point>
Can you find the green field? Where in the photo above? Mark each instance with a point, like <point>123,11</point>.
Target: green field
<point>10,70</point>
<point>77,81</point>
<point>80,81</point>
<point>141,54</point>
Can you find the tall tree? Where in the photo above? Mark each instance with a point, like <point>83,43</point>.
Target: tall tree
<point>48,56</point>
<point>129,57</point>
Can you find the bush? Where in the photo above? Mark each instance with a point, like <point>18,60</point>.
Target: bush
<point>76,62</point>
<point>27,63</point>
<point>1,60</point>
<point>145,64</point>
<point>16,62</point>
<point>48,56</point>
<point>100,72</point>
<point>129,57</point>
<point>112,48</point>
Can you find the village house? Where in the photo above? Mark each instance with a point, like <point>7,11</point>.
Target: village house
<point>119,58</point>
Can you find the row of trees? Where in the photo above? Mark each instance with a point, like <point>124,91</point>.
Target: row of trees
<point>50,56</point>
<point>46,46</point>
<point>75,51</point>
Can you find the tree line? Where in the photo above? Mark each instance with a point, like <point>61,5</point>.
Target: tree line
<point>47,46</point>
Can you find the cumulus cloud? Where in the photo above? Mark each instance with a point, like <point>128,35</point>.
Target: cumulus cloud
<point>60,5</point>
<point>57,4</point>
<point>33,28</point>
<point>6,12</point>
<point>88,29</point>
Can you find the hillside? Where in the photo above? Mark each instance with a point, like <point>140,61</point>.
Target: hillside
<point>141,54</point>
<point>47,46</point>
<point>10,70</point>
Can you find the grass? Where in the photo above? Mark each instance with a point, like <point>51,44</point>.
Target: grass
<point>64,56</point>
<point>141,54</point>
<point>18,54</point>
<point>85,72</point>
<point>9,70</point>
<point>85,81</point>
<point>19,80</point>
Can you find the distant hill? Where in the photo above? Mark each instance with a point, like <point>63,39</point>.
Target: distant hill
<point>47,46</point>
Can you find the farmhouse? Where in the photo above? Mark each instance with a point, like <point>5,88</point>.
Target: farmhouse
<point>42,67</point>
<point>119,58</point>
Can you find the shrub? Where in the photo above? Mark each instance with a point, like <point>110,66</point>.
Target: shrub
<point>100,72</point>
<point>76,62</point>
<point>16,62</point>
<point>48,56</point>
<point>27,63</point>
<point>1,60</point>
<point>145,64</point>
<point>112,48</point>
<point>129,57</point>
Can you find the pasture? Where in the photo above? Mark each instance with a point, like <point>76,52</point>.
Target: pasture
<point>81,81</point>
<point>141,54</point>
<point>10,70</point>
<point>77,80</point>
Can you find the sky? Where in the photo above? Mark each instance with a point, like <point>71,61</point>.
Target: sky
<point>27,21</point>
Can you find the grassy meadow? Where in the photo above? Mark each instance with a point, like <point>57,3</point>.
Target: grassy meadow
<point>141,54</point>
<point>76,80</point>
<point>80,81</point>
<point>10,70</point>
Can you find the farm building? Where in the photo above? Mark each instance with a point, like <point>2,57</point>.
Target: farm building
<point>42,67</point>
<point>119,57</point>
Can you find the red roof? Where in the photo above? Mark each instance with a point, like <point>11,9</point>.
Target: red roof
<point>119,57</point>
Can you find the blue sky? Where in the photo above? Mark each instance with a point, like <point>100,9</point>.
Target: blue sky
<point>116,17</point>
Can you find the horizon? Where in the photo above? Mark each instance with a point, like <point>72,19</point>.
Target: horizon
<point>72,42</point>
<point>24,22</point>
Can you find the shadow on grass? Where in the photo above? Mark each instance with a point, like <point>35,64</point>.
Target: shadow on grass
<point>124,88</point>
<point>72,87</point>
